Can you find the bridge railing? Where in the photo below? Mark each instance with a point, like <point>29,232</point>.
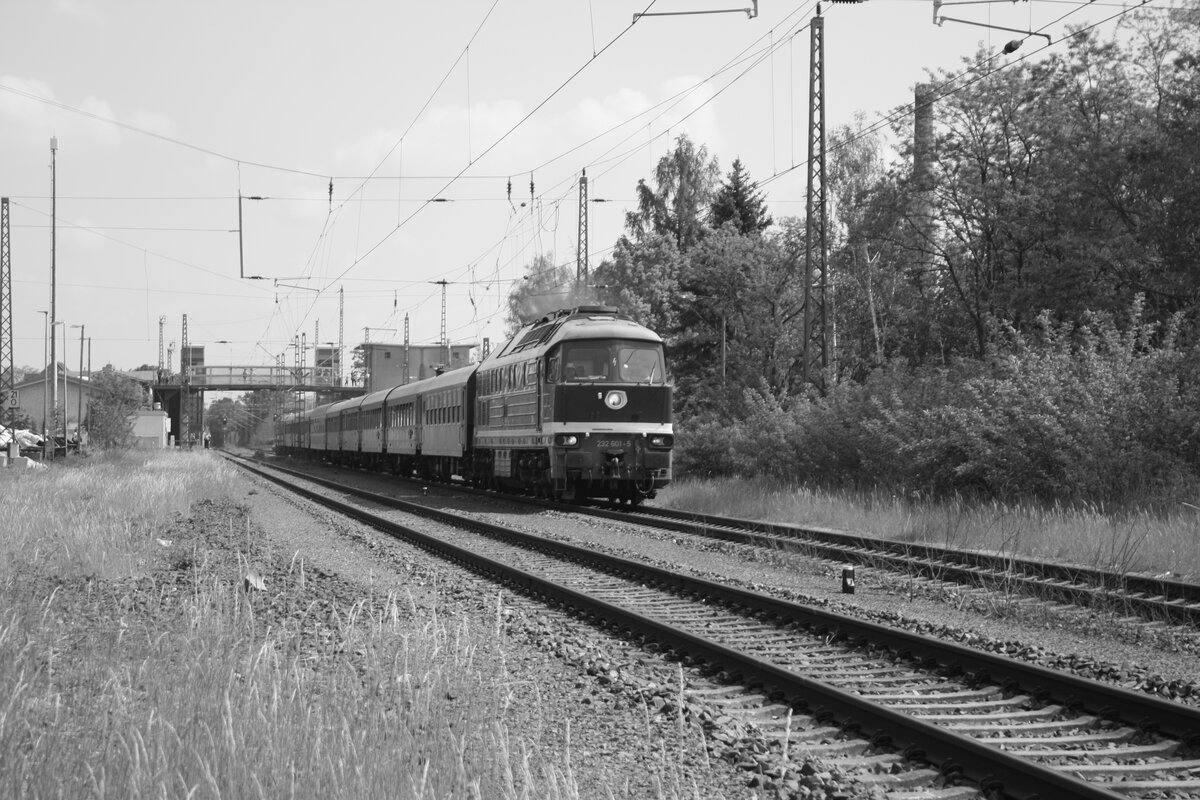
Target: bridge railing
<point>268,377</point>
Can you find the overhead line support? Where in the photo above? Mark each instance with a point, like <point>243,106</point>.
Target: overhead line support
<point>815,355</point>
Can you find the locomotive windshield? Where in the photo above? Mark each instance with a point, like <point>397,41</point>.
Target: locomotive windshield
<point>613,362</point>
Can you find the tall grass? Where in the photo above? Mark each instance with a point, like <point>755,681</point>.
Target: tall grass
<point>1144,541</point>
<point>191,694</point>
<point>100,516</point>
<point>208,710</point>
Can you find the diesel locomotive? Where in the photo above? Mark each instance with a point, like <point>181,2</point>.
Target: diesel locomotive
<point>577,404</point>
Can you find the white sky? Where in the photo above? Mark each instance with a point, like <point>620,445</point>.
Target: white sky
<point>165,111</point>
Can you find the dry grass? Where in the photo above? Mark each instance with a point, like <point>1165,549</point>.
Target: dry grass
<point>1134,541</point>
<point>100,516</point>
<point>189,696</point>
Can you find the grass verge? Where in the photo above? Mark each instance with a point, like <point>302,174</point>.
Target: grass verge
<point>120,680</point>
<point>1156,543</point>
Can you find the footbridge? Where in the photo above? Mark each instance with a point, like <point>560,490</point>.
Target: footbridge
<point>181,394</point>
<point>211,378</point>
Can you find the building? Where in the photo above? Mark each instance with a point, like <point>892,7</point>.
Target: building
<point>385,363</point>
<point>327,369</point>
<point>151,428</point>
<point>32,391</point>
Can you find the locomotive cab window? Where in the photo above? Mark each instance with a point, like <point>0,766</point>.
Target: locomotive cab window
<point>640,363</point>
<point>587,363</point>
<point>617,362</point>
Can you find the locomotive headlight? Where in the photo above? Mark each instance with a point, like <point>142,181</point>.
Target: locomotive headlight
<point>616,399</point>
<point>566,439</point>
<point>662,440</point>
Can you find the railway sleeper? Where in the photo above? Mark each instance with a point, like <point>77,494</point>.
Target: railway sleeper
<point>985,707</point>
<point>1146,787</point>
<point>945,793</point>
<point>1115,735</point>
<point>1020,717</point>
<point>1163,749</point>
<point>998,725</point>
<point>917,696</point>
<point>915,777</point>
<point>1092,771</point>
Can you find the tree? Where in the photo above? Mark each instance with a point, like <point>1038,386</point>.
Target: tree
<point>642,279</point>
<point>685,180</point>
<point>229,422</point>
<point>740,315</point>
<point>1070,184</point>
<point>739,202</point>
<point>358,366</point>
<point>113,399</point>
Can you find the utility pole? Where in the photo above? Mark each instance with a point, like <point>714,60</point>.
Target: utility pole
<point>815,357</point>
<point>7,368</point>
<point>581,260</point>
<point>53,283</point>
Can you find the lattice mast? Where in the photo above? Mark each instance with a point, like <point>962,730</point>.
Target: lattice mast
<point>162,336</point>
<point>581,260</point>
<point>185,404</point>
<point>8,380</point>
<point>406,344</point>
<point>815,358</point>
<point>341,333</point>
<point>445,342</point>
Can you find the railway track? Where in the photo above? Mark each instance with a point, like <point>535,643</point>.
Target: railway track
<point>1134,597</point>
<point>1142,596</point>
<point>885,703</point>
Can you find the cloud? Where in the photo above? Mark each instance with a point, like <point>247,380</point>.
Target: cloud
<point>34,110</point>
<point>19,101</point>
<point>80,10</point>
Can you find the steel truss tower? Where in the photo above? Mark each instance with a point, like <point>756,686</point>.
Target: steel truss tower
<point>581,260</point>
<point>816,267</point>
<point>7,368</point>
<point>185,396</point>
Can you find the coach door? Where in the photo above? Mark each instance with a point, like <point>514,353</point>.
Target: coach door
<point>547,377</point>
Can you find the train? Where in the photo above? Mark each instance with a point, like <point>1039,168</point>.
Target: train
<point>577,404</point>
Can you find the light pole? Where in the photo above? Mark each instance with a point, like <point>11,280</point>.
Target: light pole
<point>79,412</point>
<point>53,266</point>
<point>53,421</point>
<point>64,395</point>
<point>45,375</point>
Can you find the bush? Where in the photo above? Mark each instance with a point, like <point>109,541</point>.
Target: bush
<point>1096,413</point>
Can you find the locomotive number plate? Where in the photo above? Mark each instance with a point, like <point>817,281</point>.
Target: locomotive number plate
<point>605,444</point>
